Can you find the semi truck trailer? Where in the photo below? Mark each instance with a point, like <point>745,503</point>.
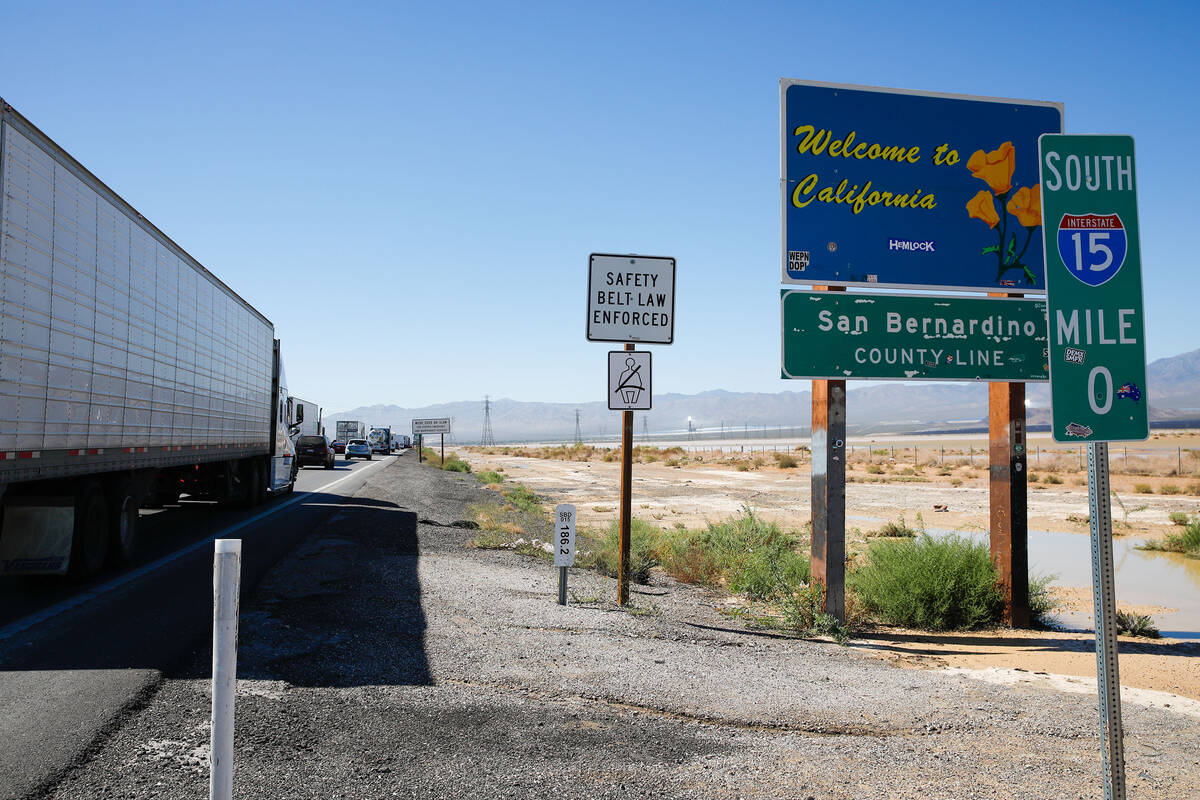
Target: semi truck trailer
<point>307,418</point>
<point>129,373</point>
<point>348,429</point>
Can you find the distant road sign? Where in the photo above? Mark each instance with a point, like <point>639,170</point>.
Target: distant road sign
<point>631,299</point>
<point>1094,288</point>
<point>895,188</point>
<point>422,427</point>
<point>629,380</point>
<point>911,337</point>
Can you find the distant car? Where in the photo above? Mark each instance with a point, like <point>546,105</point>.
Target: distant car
<point>314,450</point>
<point>339,447</point>
<point>358,448</point>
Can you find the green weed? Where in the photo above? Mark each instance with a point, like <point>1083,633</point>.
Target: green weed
<point>935,584</point>
<point>489,477</point>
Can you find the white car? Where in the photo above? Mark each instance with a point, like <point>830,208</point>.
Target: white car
<point>358,448</point>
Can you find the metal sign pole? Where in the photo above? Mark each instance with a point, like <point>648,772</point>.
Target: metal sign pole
<point>626,502</point>
<point>420,448</point>
<point>1108,679</point>
<point>562,586</point>
<point>443,448</point>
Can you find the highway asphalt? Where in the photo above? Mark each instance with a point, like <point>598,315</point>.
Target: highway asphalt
<point>75,659</point>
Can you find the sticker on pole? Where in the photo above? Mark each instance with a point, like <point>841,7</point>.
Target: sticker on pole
<point>629,380</point>
<point>1092,246</point>
<point>564,535</point>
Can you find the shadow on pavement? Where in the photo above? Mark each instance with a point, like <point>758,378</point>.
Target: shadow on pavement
<point>342,608</point>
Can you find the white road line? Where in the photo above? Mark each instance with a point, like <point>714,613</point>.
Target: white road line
<point>37,618</point>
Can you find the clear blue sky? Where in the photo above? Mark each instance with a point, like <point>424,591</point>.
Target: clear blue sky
<point>410,191</point>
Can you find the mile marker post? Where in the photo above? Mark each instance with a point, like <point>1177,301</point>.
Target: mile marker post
<point>227,571</point>
<point>564,550</point>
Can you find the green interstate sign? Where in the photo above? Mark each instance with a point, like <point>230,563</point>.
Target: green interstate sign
<point>1093,288</point>
<point>912,337</point>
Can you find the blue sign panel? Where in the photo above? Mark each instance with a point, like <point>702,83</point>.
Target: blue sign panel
<point>901,189</point>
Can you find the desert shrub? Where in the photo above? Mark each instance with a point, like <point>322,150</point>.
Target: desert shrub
<point>1178,517</point>
<point>1041,602</point>
<point>1193,489</point>
<point>874,469</point>
<point>643,544</point>
<point>756,557</point>
<point>1143,488</point>
<point>785,461</point>
<point>523,498</point>
<point>894,530</point>
<point>455,464</point>
<point>935,584</point>
<point>672,462</point>
<point>803,614</point>
<point>956,482</point>
<point>1186,541</point>
<point>487,476</point>
<point>743,467</point>
<point>1170,488</point>
<point>1054,479</point>
<point>1136,625</point>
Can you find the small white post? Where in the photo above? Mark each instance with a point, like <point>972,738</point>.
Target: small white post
<point>227,579</point>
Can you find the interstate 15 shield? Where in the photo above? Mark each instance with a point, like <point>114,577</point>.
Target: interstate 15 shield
<point>1092,246</point>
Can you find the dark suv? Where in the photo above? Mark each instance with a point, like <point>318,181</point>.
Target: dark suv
<point>314,450</point>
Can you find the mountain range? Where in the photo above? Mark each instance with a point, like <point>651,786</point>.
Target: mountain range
<point>1173,392</point>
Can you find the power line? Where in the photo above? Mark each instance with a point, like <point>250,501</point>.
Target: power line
<point>487,440</point>
<point>578,430</point>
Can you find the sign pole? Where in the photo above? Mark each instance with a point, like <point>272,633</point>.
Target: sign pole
<point>562,586</point>
<point>443,448</point>
<point>829,490</point>
<point>1008,487</point>
<point>1108,679</point>
<point>420,449</point>
<point>626,501</point>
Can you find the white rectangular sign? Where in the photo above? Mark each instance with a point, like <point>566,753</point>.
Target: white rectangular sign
<point>631,299</point>
<point>629,380</point>
<point>564,535</point>
<point>427,426</point>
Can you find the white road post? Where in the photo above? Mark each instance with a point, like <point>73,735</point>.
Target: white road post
<point>227,579</point>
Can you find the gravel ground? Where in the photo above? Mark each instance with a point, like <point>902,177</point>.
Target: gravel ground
<point>386,658</point>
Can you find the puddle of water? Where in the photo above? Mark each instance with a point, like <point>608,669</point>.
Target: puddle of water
<point>1143,577</point>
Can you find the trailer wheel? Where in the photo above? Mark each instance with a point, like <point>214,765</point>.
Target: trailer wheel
<point>123,537</point>
<point>89,542</point>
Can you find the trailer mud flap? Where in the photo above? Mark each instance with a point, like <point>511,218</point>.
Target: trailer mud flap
<point>35,538</point>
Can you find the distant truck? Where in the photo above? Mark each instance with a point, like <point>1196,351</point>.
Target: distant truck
<point>129,373</point>
<point>308,417</point>
<point>348,429</point>
<point>380,440</point>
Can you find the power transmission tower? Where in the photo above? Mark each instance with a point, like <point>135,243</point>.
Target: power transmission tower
<point>487,440</point>
<point>645,428</point>
<point>578,430</point>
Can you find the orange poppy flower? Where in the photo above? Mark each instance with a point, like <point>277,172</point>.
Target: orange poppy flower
<point>1026,205</point>
<point>995,168</point>
<point>983,207</point>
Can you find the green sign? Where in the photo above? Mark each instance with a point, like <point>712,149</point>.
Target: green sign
<point>1093,288</point>
<point>912,337</point>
